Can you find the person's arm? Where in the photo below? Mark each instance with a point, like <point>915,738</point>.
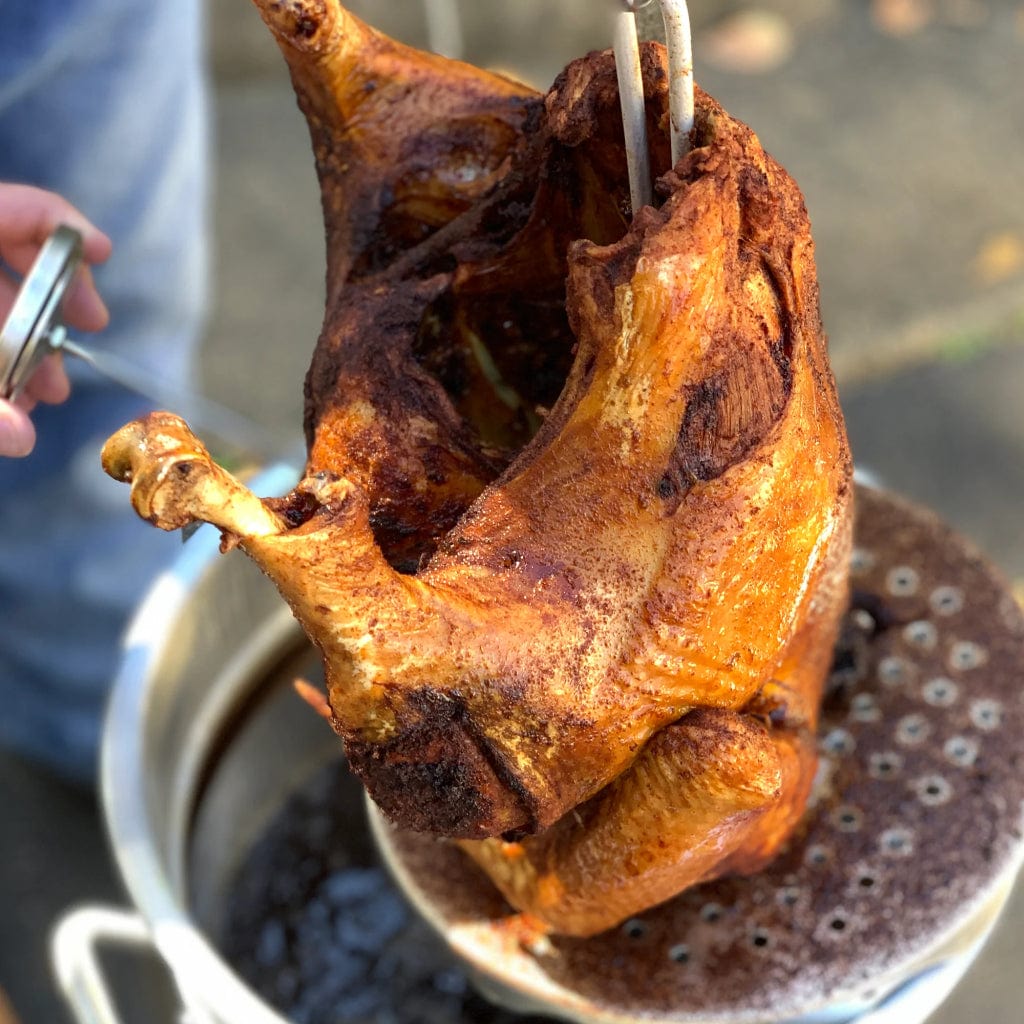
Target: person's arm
<point>27,218</point>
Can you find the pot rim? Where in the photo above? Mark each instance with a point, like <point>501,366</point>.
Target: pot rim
<point>203,977</point>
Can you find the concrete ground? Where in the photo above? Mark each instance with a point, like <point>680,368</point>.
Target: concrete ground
<point>901,119</point>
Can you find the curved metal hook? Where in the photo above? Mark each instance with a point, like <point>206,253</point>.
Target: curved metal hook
<point>676,17</point>
<point>444,27</point>
<point>631,98</point>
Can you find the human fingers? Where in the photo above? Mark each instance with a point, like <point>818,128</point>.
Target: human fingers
<point>29,215</point>
<point>50,382</point>
<point>83,306</point>
<point>17,435</point>
<point>27,218</point>
<point>8,291</point>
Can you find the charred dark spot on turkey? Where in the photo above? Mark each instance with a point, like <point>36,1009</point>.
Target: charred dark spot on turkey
<point>727,416</point>
<point>441,768</point>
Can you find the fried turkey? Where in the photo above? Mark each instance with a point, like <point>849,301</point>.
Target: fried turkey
<point>574,523</point>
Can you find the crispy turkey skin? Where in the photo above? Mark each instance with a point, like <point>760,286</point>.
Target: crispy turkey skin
<point>573,531</point>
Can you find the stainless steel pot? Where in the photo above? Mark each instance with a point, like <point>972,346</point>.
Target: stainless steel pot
<point>209,634</point>
<point>203,743</point>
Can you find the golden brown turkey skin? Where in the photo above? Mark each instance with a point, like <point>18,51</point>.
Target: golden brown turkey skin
<point>573,530</point>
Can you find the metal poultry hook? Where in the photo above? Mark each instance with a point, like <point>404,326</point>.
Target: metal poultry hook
<point>676,18</point>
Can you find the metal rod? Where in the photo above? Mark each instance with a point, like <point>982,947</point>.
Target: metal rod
<point>631,96</point>
<point>676,16</point>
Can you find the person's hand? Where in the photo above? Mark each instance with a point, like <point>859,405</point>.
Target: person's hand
<point>27,218</point>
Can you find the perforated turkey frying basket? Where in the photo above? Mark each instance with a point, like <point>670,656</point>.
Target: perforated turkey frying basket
<point>892,883</point>
<point>895,877</point>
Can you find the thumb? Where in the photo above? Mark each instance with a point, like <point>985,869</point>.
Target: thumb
<point>17,435</point>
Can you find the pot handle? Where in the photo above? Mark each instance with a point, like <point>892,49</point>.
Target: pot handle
<point>74,944</point>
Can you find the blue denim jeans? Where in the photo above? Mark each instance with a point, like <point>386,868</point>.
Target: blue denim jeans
<point>103,101</point>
